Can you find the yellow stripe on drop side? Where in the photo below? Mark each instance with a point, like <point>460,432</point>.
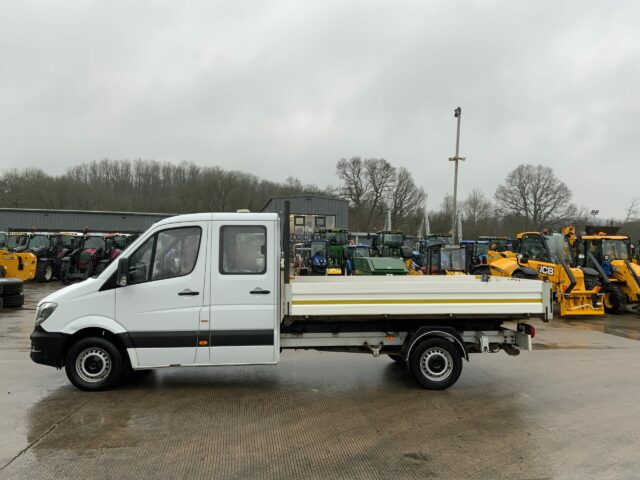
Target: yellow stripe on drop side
<point>415,301</point>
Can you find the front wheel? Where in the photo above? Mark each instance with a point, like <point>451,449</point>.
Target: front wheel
<point>435,363</point>
<point>614,300</point>
<point>94,363</point>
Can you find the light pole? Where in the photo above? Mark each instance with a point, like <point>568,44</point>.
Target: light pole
<point>454,219</point>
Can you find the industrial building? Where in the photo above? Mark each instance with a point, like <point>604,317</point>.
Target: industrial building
<point>309,213</point>
<point>21,219</point>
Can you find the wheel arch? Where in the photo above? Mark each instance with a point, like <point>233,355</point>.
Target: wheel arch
<point>423,333</point>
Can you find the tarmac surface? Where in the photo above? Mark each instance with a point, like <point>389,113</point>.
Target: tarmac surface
<point>569,409</point>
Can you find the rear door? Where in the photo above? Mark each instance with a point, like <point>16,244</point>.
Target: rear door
<point>244,310</point>
<point>162,303</point>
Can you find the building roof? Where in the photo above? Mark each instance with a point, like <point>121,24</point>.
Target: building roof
<point>286,197</point>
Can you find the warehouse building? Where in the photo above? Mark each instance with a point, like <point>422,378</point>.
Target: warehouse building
<point>21,219</point>
<point>309,213</point>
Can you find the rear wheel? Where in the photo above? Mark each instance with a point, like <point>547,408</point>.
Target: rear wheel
<point>614,299</point>
<point>93,364</point>
<point>521,274</point>
<point>481,270</point>
<point>435,363</point>
<point>591,282</point>
<point>44,272</point>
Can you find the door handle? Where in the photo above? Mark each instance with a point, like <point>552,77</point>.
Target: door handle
<point>259,291</point>
<point>188,293</point>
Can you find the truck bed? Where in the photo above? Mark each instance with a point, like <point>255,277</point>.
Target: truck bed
<point>459,296</point>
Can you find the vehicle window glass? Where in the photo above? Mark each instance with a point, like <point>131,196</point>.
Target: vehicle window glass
<point>243,250</point>
<point>533,248</point>
<point>140,263</point>
<point>176,252</point>
<point>38,241</point>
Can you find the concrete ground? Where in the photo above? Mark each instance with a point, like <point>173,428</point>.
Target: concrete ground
<point>569,409</point>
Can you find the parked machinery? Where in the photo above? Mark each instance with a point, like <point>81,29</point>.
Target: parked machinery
<point>611,254</point>
<point>440,258</point>
<point>549,257</point>
<point>92,254</point>
<point>45,246</point>
<point>337,243</point>
<point>388,244</point>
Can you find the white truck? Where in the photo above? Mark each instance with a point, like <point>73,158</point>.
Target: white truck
<point>208,289</point>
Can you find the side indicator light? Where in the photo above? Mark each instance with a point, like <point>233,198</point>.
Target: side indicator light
<point>203,343</point>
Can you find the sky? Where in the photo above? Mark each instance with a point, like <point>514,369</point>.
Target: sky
<point>280,88</point>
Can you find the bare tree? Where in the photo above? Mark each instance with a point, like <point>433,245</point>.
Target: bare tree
<point>631,213</point>
<point>407,200</point>
<point>479,214</point>
<point>365,183</point>
<point>533,194</point>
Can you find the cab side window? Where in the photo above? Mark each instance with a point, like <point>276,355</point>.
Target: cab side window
<point>533,248</point>
<point>167,254</point>
<point>243,250</point>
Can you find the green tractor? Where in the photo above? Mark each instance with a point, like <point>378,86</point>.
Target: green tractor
<point>337,245</point>
<point>389,244</point>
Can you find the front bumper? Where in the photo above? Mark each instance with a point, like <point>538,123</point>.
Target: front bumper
<point>47,347</point>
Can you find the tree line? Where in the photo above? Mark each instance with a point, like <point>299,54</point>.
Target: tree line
<point>531,197</point>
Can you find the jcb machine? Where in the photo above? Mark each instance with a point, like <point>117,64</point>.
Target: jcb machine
<point>603,249</point>
<point>549,257</point>
<point>17,265</point>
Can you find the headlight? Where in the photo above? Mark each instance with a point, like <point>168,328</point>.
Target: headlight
<point>44,311</point>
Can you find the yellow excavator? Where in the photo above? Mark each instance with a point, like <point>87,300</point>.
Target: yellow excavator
<point>549,257</point>
<point>602,247</point>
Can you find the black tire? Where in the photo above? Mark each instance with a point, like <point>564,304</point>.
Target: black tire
<point>591,282</point>
<point>13,301</point>
<point>94,364</point>
<point>44,272</point>
<point>481,270</point>
<point>435,363</point>
<point>11,286</point>
<point>614,300</point>
<point>64,273</point>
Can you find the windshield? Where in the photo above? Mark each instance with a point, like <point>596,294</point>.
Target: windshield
<point>359,252</point>
<point>93,243</point>
<point>453,259</point>
<point>392,239</point>
<point>38,241</point>
<point>559,248</point>
<point>482,248</point>
<point>14,241</point>
<point>318,247</point>
<point>337,238</point>
<point>615,249</point>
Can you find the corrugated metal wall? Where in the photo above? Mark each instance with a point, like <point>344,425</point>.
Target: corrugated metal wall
<point>76,220</point>
<point>312,205</point>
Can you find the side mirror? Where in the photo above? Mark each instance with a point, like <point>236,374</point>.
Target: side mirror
<point>123,272</point>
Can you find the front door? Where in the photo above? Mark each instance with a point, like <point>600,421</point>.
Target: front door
<point>161,305</point>
<point>244,310</point>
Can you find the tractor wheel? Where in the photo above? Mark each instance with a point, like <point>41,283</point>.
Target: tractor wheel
<point>591,282</point>
<point>481,270</point>
<point>614,300</point>
<point>11,286</point>
<point>64,273</point>
<point>44,272</point>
